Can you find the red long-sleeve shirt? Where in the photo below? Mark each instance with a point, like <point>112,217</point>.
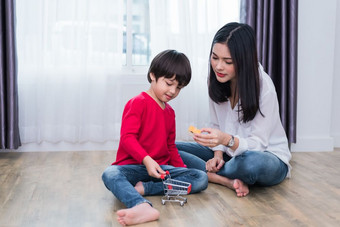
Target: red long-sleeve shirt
<point>147,129</point>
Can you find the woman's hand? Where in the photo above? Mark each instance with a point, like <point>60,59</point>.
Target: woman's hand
<point>154,170</point>
<point>211,137</point>
<point>214,165</point>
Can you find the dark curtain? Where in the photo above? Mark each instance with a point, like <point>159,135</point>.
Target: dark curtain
<point>9,127</point>
<point>275,25</point>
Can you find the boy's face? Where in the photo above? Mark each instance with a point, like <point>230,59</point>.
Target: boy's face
<point>164,89</point>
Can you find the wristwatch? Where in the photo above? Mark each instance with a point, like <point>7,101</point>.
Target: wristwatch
<point>231,141</point>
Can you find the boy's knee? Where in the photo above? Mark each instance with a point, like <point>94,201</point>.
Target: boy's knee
<point>110,173</point>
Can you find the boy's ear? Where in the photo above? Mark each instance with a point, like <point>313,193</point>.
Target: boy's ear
<point>152,76</point>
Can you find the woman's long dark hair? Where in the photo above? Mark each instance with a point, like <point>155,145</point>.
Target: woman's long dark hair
<point>240,39</point>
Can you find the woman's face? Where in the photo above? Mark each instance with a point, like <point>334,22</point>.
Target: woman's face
<point>222,63</point>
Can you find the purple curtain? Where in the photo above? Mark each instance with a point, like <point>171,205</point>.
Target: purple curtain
<point>275,25</point>
<point>9,127</point>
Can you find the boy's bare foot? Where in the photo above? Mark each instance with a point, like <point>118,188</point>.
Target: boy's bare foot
<point>139,188</point>
<point>141,213</point>
<point>240,188</point>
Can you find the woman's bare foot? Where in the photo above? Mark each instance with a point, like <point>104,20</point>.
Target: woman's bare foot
<point>139,188</point>
<point>240,188</point>
<point>141,213</point>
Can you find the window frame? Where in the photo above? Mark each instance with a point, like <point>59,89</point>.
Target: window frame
<point>129,67</point>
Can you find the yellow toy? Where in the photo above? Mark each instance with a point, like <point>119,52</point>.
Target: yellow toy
<point>193,129</point>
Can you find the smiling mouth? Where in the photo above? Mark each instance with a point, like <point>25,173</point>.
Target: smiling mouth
<point>220,74</point>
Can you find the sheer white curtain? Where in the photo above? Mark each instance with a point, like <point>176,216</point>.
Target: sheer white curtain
<point>68,53</point>
<point>189,26</point>
<point>71,85</point>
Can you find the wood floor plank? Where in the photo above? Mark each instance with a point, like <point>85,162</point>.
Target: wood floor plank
<point>65,189</point>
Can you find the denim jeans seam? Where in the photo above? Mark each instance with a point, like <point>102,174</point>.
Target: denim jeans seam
<point>144,201</point>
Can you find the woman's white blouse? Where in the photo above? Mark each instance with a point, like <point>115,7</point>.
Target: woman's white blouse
<point>263,133</point>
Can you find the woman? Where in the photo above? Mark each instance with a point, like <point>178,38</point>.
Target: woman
<point>246,143</point>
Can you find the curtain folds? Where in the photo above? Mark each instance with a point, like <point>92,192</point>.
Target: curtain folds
<point>275,25</point>
<point>9,126</point>
<point>189,26</point>
<point>70,56</point>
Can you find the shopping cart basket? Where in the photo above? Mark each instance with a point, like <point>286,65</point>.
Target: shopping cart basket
<point>173,189</point>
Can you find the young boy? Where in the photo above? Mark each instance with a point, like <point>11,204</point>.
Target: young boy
<point>147,142</point>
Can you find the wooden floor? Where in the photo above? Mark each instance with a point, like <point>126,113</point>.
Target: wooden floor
<point>65,189</point>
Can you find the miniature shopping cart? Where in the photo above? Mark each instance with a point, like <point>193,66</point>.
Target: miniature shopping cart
<point>173,189</point>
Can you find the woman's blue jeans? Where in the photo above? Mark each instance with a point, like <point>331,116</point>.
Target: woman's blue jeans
<point>251,167</point>
<point>121,179</point>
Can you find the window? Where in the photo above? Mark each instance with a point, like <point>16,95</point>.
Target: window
<point>136,33</point>
<point>92,34</point>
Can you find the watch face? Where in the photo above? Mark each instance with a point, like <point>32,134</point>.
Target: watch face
<point>231,142</point>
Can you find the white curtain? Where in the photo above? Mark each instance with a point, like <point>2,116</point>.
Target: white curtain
<point>71,84</point>
<point>189,26</point>
<point>68,53</point>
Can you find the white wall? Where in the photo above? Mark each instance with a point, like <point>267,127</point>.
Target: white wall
<point>317,82</point>
<point>335,129</point>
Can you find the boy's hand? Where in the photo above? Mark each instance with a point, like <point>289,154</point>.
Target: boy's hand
<point>154,170</point>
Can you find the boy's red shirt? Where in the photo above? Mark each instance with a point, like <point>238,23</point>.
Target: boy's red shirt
<point>147,129</point>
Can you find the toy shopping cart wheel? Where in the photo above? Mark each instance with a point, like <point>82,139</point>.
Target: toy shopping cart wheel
<point>173,189</point>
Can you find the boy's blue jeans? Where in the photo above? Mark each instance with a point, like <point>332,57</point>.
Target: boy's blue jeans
<point>121,179</point>
<point>251,167</point>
